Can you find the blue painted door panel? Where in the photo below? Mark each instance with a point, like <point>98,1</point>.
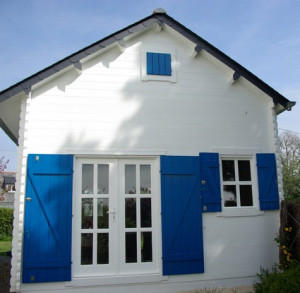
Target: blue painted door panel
<point>48,219</point>
<point>181,216</point>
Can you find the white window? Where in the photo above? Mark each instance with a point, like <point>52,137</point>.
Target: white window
<point>238,186</point>
<point>115,217</point>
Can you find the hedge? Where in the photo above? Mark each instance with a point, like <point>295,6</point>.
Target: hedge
<point>6,223</point>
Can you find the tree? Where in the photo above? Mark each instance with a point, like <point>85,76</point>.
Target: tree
<point>3,164</point>
<point>290,162</point>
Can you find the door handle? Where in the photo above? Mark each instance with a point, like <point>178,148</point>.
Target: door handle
<point>28,198</point>
<point>113,213</point>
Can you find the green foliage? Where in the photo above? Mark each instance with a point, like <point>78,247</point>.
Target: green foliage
<point>278,282</point>
<point>284,242</point>
<point>5,247</point>
<point>290,163</point>
<point>6,223</point>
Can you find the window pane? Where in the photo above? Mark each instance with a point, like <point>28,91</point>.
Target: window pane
<point>246,195</point>
<point>146,246</point>
<point>228,170</point>
<point>103,179</point>
<point>229,192</point>
<point>145,212</point>
<point>244,171</point>
<point>130,179</point>
<point>87,178</point>
<point>102,248</point>
<point>102,209</point>
<point>131,247</point>
<point>87,213</point>
<point>145,172</point>
<point>86,248</point>
<point>130,212</point>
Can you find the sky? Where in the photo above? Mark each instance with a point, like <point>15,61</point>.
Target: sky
<point>261,35</point>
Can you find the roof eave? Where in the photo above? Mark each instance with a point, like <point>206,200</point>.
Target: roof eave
<point>160,18</point>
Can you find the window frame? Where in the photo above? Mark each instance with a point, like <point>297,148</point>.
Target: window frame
<point>154,77</point>
<point>237,182</point>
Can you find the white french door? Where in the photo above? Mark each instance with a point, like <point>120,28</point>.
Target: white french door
<point>115,227</point>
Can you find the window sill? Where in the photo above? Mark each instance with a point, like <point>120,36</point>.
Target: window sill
<point>113,280</point>
<point>241,212</point>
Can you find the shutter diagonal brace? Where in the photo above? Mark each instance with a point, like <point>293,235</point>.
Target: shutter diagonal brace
<point>185,208</point>
<point>62,249</point>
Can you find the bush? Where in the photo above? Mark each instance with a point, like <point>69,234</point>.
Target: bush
<point>6,223</point>
<point>278,282</point>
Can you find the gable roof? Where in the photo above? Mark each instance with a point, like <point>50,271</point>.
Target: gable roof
<point>160,17</point>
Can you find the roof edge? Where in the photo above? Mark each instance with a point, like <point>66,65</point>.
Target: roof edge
<point>157,16</point>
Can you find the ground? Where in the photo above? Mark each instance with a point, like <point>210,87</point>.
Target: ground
<point>4,273</point>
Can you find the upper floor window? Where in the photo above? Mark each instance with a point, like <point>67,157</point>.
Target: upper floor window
<point>159,64</point>
<point>237,182</point>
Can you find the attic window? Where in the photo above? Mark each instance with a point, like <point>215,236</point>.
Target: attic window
<point>159,64</point>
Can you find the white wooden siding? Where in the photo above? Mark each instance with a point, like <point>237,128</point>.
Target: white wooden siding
<point>108,107</point>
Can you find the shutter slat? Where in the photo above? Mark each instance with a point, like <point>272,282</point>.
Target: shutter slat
<point>149,63</point>
<point>168,67</point>
<point>155,63</point>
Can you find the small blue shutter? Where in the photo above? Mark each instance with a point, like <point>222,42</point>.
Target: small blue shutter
<point>210,182</point>
<point>267,182</point>
<point>48,219</point>
<point>158,64</point>
<point>181,216</point>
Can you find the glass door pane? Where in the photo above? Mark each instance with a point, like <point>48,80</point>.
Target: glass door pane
<point>102,207</point>
<point>87,179</point>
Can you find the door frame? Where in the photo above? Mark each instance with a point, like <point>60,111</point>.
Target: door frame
<point>156,216</point>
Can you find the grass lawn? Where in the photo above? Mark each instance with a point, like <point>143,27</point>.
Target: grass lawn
<point>5,246</point>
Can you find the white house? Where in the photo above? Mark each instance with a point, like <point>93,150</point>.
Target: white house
<point>147,162</point>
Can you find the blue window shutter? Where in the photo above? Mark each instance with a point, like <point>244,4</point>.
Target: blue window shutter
<point>267,181</point>
<point>181,216</point>
<point>158,64</point>
<point>210,182</point>
<point>48,219</point>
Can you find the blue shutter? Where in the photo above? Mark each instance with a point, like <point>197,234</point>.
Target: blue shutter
<point>48,219</point>
<point>210,182</point>
<point>158,64</point>
<point>181,216</point>
<point>267,182</point>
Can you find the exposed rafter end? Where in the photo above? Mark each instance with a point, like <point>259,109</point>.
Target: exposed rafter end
<point>236,75</point>
<point>8,132</point>
<point>27,90</point>
<point>159,25</point>
<point>197,50</point>
<point>121,45</point>
<point>78,67</point>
